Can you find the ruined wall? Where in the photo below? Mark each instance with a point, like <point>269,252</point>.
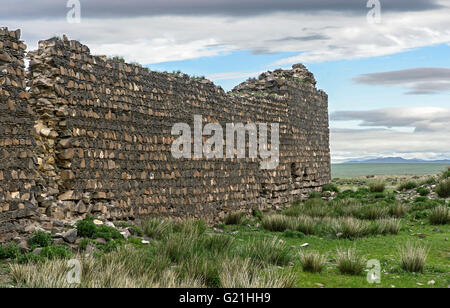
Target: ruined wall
<point>18,185</point>
<point>103,138</point>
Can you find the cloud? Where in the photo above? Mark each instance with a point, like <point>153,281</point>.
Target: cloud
<point>25,9</point>
<point>419,80</point>
<point>232,75</point>
<point>351,143</point>
<point>422,119</point>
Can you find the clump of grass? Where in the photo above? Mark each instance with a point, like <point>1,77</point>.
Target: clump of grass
<point>349,227</point>
<point>388,226</point>
<point>312,261</point>
<point>350,262</point>
<point>413,257</point>
<point>157,228</point>
<point>194,227</point>
<point>306,225</point>
<point>268,252</point>
<point>235,218</point>
<point>377,187</point>
<point>331,188</point>
<point>443,189</point>
<point>440,215</point>
<point>446,174</point>
<point>398,210</point>
<point>278,223</point>
<point>407,186</point>
<point>241,273</point>
<point>423,191</point>
<point>372,212</point>
<point>257,214</point>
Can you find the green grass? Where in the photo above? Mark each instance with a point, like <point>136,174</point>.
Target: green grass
<point>310,244</point>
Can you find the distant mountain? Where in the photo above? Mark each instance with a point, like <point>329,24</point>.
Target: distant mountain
<point>395,160</point>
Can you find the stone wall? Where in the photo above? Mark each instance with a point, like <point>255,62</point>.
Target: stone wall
<point>18,176</point>
<point>103,138</point>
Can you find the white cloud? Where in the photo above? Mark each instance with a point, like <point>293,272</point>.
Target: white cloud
<point>232,75</point>
<point>322,36</point>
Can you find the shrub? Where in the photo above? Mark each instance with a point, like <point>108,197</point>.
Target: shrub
<point>312,262</point>
<point>9,251</point>
<point>413,257</point>
<point>156,228</point>
<point>443,189</point>
<point>278,223</point>
<point>377,187</point>
<point>235,218</point>
<point>86,228</point>
<point>56,252</point>
<point>423,191</point>
<point>331,188</point>
<point>314,195</point>
<point>440,215</point>
<point>40,239</point>
<point>407,186</point>
<point>191,227</point>
<point>350,262</point>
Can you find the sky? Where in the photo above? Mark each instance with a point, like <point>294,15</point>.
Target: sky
<point>383,63</point>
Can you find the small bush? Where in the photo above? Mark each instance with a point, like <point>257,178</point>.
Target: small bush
<point>413,257</point>
<point>9,251</point>
<point>407,186</point>
<point>446,174</point>
<point>443,189</point>
<point>423,191</point>
<point>377,187</point>
<point>350,262</point>
<point>312,262</point>
<point>331,188</point>
<point>278,223</point>
<point>235,218</point>
<point>56,252</point>
<point>440,215</point>
<point>86,228</point>
<point>314,195</point>
<point>40,239</point>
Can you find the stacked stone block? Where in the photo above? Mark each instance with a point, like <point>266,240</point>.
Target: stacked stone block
<point>18,176</point>
<point>98,133</point>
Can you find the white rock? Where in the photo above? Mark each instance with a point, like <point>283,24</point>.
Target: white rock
<point>97,222</point>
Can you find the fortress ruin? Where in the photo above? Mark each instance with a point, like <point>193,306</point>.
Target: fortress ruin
<point>87,135</point>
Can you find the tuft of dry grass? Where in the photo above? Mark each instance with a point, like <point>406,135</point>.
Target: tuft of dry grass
<point>242,273</point>
<point>377,187</point>
<point>388,226</point>
<point>413,257</point>
<point>312,261</point>
<point>398,210</point>
<point>443,188</point>
<point>350,262</point>
<point>440,215</point>
<point>278,223</point>
<point>234,218</point>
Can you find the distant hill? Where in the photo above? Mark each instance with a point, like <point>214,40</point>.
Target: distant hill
<point>395,160</point>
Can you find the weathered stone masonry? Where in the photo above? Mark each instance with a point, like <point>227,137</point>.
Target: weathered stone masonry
<point>102,138</point>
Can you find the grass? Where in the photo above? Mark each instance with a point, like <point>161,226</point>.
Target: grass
<point>312,261</point>
<point>377,187</point>
<point>234,218</point>
<point>350,262</point>
<point>443,188</point>
<point>407,185</point>
<point>413,257</point>
<point>310,244</point>
<point>439,215</point>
